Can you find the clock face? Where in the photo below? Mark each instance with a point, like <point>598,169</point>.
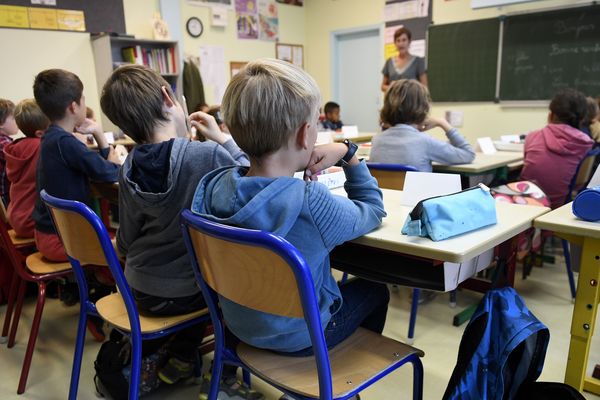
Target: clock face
<point>194,27</point>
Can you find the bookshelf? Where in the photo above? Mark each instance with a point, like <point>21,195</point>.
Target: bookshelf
<point>111,52</point>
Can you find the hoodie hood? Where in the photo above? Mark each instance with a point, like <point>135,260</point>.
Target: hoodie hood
<point>563,139</point>
<point>227,196</point>
<point>21,155</point>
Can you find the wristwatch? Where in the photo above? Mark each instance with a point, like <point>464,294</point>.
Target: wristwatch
<point>352,147</point>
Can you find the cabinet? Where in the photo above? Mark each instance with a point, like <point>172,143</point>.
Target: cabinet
<point>111,52</point>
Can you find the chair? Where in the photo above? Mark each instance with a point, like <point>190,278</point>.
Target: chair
<point>86,241</point>
<point>580,179</point>
<point>28,267</point>
<point>391,176</point>
<point>264,272</point>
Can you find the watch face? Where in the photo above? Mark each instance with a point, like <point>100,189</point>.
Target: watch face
<point>194,27</point>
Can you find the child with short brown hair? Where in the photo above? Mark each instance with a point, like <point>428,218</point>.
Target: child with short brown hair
<point>8,128</point>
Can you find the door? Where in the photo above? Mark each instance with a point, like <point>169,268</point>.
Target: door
<point>356,77</point>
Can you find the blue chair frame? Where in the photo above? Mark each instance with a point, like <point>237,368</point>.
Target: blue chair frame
<point>306,290</point>
<point>89,308</point>
<point>565,243</point>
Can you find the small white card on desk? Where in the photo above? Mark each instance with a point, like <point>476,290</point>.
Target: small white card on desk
<point>324,137</point>
<point>595,181</point>
<point>110,137</point>
<point>423,185</point>
<point>486,145</point>
<point>350,131</point>
<point>510,138</point>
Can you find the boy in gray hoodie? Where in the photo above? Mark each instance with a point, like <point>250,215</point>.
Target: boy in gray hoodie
<point>156,182</point>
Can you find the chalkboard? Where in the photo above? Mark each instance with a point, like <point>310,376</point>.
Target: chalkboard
<point>462,60</point>
<point>543,52</point>
<point>100,15</point>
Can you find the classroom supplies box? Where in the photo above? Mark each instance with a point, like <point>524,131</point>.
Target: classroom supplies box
<point>443,217</point>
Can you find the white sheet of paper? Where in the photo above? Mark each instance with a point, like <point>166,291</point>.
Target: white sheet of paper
<point>324,137</point>
<point>422,185</point>
<point>510,138</point>
<point>455,118</point>
<point>110,137</point>
<point>486,145</point>
<point>595,181</point>
<point>350,131</point>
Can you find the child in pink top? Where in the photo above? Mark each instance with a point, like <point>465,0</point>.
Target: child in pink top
<point>553,153</point>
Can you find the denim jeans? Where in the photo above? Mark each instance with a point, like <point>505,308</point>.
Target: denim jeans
<point>364,304</point>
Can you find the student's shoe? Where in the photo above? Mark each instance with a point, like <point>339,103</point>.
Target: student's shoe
<point>95,325</point>
<point>175,370</point>
<point>229,389</point>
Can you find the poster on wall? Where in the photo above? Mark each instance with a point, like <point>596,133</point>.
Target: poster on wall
<point>415,15</point>
<point>292,2</point>
<point>268,20</point>
<point>246,14</point>
<point>211,3</point>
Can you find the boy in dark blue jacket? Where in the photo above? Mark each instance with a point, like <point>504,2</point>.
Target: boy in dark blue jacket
<point>66,165</point>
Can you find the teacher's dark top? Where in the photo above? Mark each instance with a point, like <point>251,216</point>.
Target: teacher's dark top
<point>413,69</point>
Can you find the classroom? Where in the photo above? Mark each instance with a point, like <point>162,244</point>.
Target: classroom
<point>294,199</point>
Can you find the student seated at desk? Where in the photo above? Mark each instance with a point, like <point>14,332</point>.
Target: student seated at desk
<point>66,165</point>
<point>553,153</point>
<point>157,181</point>
<point>21,163</point>
<point>405,113</point>
<point>332,120</point>
<point>271,108</point>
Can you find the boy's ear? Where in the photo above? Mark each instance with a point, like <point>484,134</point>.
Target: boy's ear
<point>39,132</point>
<point>72,106</point>
<point>169,102</point>
<point>302,136</point>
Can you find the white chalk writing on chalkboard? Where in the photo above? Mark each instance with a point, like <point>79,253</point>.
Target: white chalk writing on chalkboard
<point>562,27</point>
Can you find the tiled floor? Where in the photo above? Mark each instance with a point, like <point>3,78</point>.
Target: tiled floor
<point>545,292</point>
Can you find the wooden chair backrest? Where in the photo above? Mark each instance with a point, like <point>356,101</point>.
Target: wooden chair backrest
<point>79,237</point>
<point>252,276</point>
<point>389,179</point>
<point>585,172</point>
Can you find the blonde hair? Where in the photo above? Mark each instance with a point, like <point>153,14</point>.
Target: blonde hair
<point>266,103</point>
<point>406,102</point>
<point>30,118</point>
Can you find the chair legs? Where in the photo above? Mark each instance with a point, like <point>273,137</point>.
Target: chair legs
<point>413,316</point>
<point>12,294</point>
<point>136,367</point>
<point>77,357</point>
<point>567,253</point>
<point>417,378</point>
<point>17,316</point>
<point>217,372</point>
<point>35,327</point>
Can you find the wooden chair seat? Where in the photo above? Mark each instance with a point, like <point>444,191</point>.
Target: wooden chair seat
<point>19,241</point>
<point>37,264</point>
<point>354,361</point>
<point>112,309</point>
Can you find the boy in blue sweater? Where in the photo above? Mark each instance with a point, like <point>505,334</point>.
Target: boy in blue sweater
<point>271,108</point>
<point>156,182</point>
<point>66,165</point>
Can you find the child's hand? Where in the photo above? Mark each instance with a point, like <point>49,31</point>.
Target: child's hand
<point>90,126</point>
<point>113,156</point>
<point>433,122</point>
<point>324,157</point>
<point>208,127</point>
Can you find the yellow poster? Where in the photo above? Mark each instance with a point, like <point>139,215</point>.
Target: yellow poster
<point>389,50</point>
<point>70,20</point>
<point>42,18</point>
<point>14,17</point>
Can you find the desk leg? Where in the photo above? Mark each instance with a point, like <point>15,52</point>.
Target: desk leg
<point>584,316</point>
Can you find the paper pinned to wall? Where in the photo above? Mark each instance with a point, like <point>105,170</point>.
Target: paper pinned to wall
<point>212,69</point>
<point>407,9</point>
<point>418,48</point>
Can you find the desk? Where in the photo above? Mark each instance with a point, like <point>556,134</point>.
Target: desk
<point>387,248</point>
<point>587,234</point>
<point>361,138</point>
<point>126,141</point>
<point>483,163</point>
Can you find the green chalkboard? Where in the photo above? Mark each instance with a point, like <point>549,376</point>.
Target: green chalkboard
<point>462,60</point>
<point>543,52</point>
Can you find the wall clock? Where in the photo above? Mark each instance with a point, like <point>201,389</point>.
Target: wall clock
<point>194,27</point>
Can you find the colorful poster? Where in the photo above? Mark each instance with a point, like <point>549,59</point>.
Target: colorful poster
<point>42,18</point>
<point>14,17</point>
<point>247,19</point>
<point>268,20</point>
<point>70,20</point>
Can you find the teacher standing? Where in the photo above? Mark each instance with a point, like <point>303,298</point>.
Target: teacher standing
<point>404,65</point>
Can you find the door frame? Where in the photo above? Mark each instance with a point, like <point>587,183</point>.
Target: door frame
<point>334,39</point>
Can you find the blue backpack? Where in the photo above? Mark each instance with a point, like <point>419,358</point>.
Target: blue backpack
<point>502,350</point>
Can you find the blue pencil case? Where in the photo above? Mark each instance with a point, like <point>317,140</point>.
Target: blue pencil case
<point>446,216</point>
<point>587,204</point>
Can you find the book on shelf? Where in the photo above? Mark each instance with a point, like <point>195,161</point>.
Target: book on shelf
<point>162,60</point>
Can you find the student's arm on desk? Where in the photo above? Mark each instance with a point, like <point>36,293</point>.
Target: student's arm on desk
<point>340,219</point>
